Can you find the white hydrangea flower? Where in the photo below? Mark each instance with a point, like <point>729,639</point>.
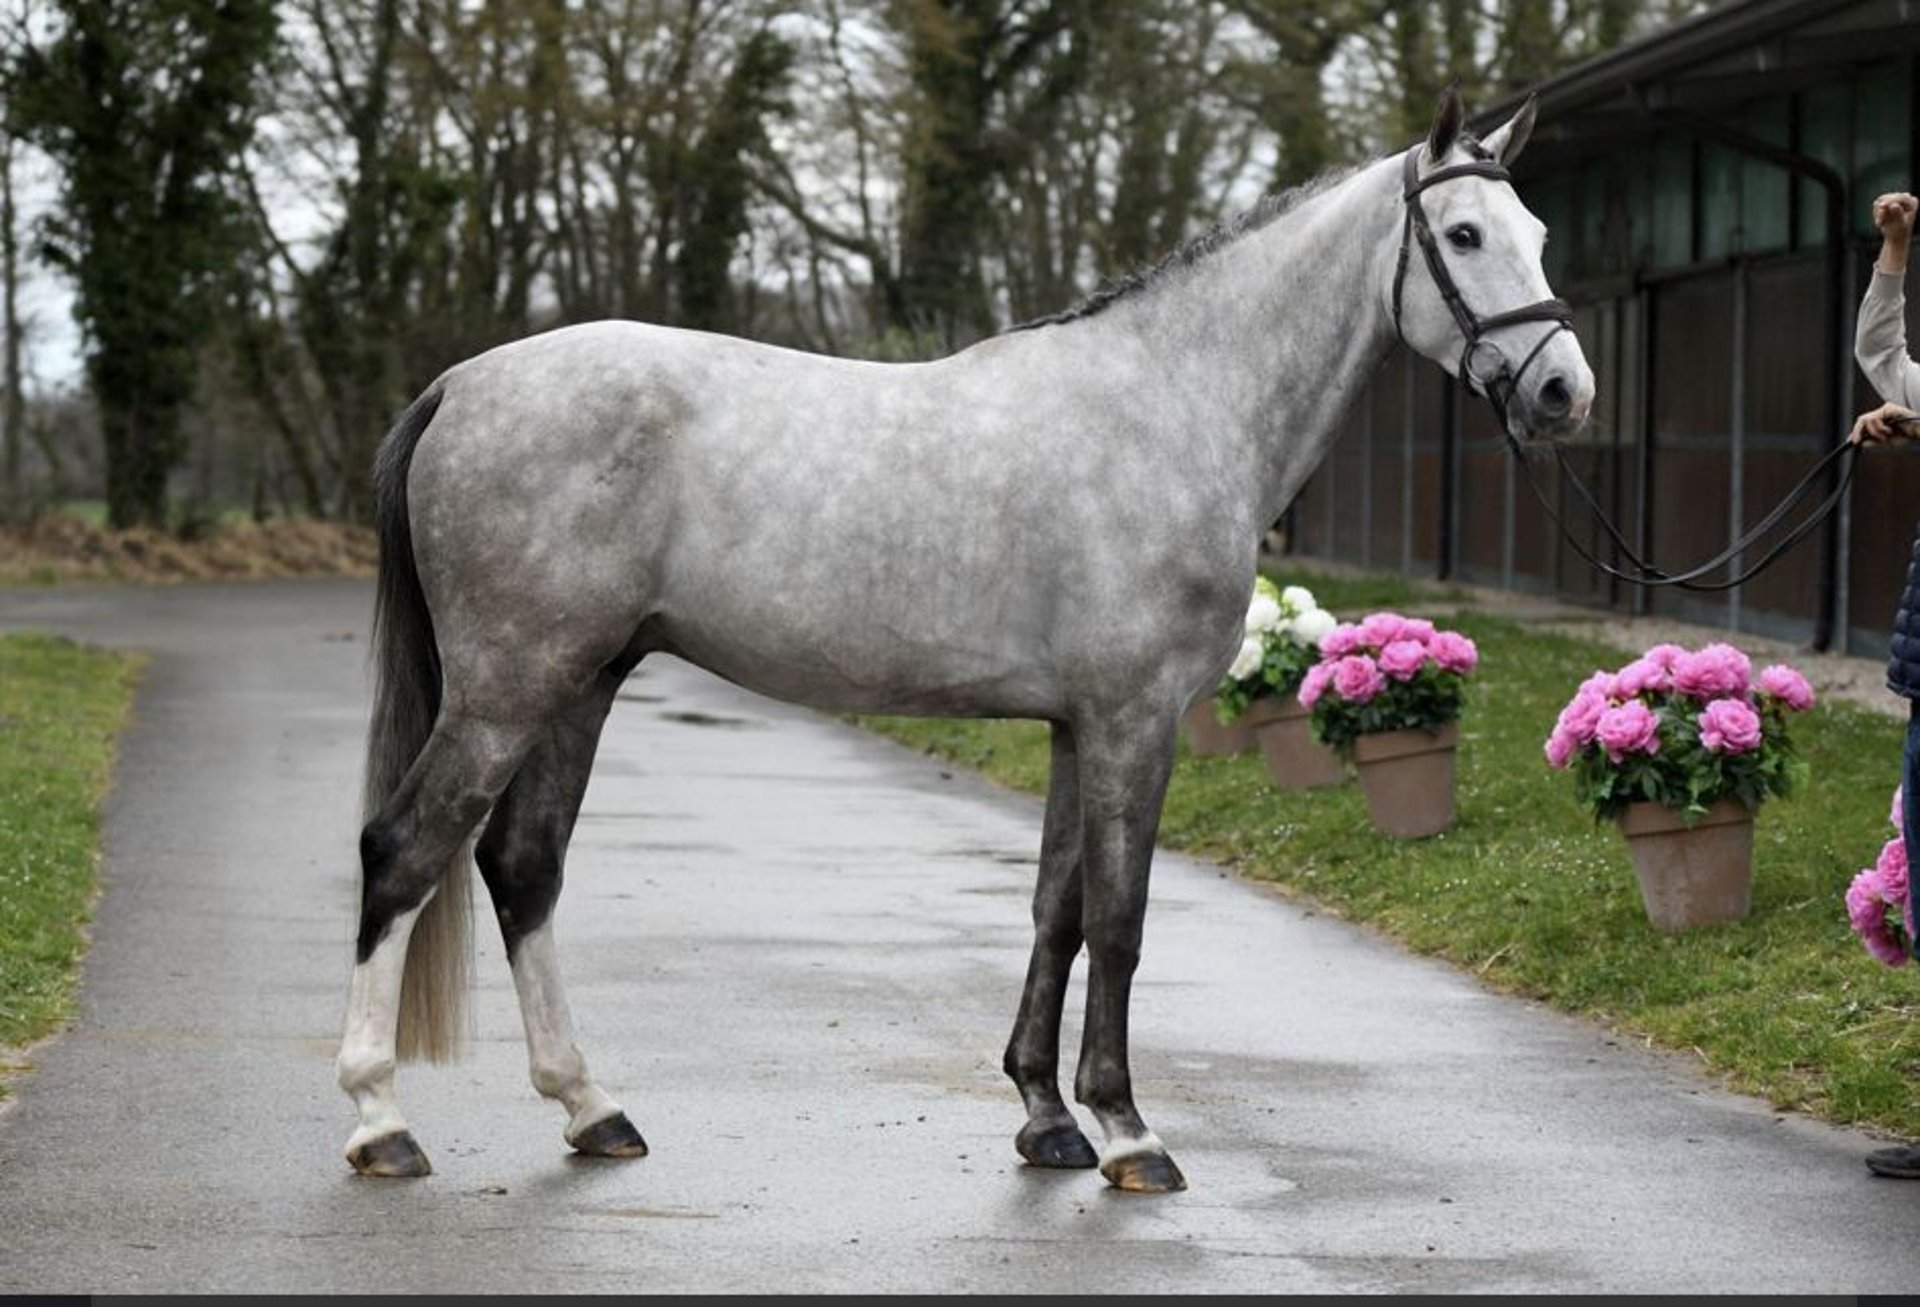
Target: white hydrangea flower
<point>1253,651</point>
<point>1313,626</point>
<point>1299,599</point>
<point>1262,613</point>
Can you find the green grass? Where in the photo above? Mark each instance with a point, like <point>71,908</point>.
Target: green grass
<point>1528,893</point>
<point>61,708</point>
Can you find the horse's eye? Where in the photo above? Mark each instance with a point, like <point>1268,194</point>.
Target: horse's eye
<point>1465,236</point>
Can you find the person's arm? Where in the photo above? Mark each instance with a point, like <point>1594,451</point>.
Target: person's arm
<point>1880,336</point>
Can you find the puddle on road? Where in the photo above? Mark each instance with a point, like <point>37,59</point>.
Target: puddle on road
<point>708,719</point>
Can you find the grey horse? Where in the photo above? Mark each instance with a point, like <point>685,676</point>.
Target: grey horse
<point>1058,523</point>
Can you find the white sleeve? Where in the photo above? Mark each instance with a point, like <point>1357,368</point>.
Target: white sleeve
<point>1880,341</point>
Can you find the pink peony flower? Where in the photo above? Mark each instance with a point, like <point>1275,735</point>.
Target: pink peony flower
<point>1341,641</point>
<point>1454,652</point>
<point>1718,671</point>
<point>1403,659</point>
<point>1730,726</point>
<point>1357,679</point>
<point>1867,914</point>
<point>1379,630</point>
<point>1630,728</point>
<point>1641,676</point>
<point>1664,656</point>
<point>1788,686</point>
<point>1314,684</point>
<point>1561,746</point>
<point>1417,628</point>
<point>1582,715</point>
<point>1603,685</point>
<point>1891,866</point>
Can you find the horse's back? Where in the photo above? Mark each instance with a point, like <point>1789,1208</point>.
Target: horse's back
<point>850,534</point>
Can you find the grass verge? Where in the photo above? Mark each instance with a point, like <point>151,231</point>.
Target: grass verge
<point>1530,895</point>
<point>61,709</point>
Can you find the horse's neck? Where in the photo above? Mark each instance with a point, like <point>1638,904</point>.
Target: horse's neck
<point>1280,331</point>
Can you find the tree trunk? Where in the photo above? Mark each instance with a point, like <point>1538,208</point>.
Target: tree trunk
<point>142,443</point>
<point>13,400</point>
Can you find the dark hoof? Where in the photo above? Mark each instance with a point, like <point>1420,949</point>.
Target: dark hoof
<point>1901,1163</point>
<point>393,1156</point>
<point>1060,1147</point>
<point>611,1136</point>
<point>1144,1173</point>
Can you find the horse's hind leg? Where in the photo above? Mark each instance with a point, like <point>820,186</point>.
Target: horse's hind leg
<point>1051,1137</point>
<point>405,851</point>
<point>1125,760</point>
<point>521,857</point>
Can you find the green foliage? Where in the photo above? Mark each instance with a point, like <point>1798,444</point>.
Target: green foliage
<point>145,105</point>
<point>1288,645</point>
<point>718,175</point>
<point>1685,775</point>
<point>61,707</point>
<point>1281,670</point>
<point>1533,897</point>
<point>1428,700</point>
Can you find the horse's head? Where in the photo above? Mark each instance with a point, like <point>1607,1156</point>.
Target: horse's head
<point>1468,290</point>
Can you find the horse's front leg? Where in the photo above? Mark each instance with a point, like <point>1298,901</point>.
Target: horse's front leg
<point>1125,760</point>
<point>1051,1137</point>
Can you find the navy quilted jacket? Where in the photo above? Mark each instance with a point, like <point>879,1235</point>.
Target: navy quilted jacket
<point>1903,660</point>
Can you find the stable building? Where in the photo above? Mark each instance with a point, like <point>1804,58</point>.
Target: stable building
<point>1707,194</point>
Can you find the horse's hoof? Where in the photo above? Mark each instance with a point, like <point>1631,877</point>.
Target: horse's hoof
<point>393,1156</point>
<point>1060,1147</point>
<point>1143,1173</point>
<point>610,1136</point>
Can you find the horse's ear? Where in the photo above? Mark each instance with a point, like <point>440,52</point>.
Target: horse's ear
<point>1446,123</point>
<point>1505,143</point>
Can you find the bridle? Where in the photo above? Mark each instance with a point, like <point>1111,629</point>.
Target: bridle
<point>1500,387</point>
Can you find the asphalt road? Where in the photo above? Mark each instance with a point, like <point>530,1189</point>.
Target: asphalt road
<point>794,952</point>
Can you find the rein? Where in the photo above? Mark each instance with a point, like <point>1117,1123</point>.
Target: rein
<point>1501,386</point>
<point>1643,573</point>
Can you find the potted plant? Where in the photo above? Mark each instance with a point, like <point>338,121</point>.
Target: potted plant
<point>1283,633</point>
<point>1387,693</point>
<point>1877,898</point>
<point>1681,748</point>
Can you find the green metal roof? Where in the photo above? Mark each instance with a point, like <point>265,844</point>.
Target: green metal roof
<point>1715,60</point>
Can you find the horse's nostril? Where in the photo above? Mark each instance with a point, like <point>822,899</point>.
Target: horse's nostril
<point>1555,397</point>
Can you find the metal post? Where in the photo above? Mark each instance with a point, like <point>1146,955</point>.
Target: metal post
<point>1737,463</point>
<point>1366,487</point>
<point>1508,478</point>
<point>1449,514</point>
<point>1643,483</point>
<point>1840,637</point>
<point>1331,466</point>
<point>1407,390</point>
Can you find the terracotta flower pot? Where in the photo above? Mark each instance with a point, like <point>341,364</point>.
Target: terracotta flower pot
<point>1407,777</point>
<point>1699,875</point>
<point>1295,760</point>
<point>1205,734</point>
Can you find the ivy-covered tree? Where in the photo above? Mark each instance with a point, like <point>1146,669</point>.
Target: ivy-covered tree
<point>144,105</point>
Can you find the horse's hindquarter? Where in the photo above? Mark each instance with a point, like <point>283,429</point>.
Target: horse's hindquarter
<point>962,537</point>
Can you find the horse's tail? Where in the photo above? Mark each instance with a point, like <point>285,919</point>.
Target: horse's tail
<point>406,702</point>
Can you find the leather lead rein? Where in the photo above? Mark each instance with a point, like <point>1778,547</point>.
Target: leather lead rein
<point>1500,388</point>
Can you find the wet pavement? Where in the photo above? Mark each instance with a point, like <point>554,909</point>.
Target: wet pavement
<point>794,952</point>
